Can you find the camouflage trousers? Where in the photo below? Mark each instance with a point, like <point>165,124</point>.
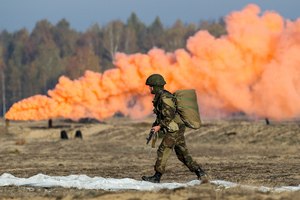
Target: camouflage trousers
<point>175,141</point>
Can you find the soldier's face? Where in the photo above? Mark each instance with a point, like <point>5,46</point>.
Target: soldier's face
<point>151,88</point>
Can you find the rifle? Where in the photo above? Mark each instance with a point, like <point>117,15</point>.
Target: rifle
<point>150,136</point>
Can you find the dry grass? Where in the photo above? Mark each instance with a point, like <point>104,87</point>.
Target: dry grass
<point>238,150</point>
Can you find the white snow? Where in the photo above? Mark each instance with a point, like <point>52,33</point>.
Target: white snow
<point>227,184</point>
<point>85,182</point>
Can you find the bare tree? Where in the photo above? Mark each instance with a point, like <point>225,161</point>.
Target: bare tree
<point>2,68</point>
<point>112,35</point>
<point>129,41</point>
<point>3,92</point>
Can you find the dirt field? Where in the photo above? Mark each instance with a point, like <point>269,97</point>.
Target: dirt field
<point>239,150</point>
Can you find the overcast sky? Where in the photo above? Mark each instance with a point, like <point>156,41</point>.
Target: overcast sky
<point>82,14</point>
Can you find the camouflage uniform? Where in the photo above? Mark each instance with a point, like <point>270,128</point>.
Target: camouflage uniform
<point>169,120</point>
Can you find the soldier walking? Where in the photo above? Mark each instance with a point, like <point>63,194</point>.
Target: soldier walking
<point>169,120</point>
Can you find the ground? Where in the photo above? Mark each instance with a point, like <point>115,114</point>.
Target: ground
<point>239,149</point>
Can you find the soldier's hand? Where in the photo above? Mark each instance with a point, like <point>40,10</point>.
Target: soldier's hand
<point>156,128</point>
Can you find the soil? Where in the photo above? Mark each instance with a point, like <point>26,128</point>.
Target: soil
<point>241,149</point>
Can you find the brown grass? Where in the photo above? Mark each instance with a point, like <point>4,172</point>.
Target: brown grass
<point>238,150</point>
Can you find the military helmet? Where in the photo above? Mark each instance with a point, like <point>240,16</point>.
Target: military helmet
<point>155,80</point>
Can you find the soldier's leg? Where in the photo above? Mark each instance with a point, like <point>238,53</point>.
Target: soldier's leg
<point>164,151</point>
<point>184,156</point>
<point>182,151</point>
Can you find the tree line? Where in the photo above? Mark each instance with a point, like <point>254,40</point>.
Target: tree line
<point>31,63</point>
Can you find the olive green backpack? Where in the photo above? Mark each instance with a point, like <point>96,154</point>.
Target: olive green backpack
<point>187,107</point>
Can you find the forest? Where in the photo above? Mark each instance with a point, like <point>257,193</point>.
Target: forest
<point>31,63</point>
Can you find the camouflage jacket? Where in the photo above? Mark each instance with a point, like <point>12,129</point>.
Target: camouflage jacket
<point>165,110</point>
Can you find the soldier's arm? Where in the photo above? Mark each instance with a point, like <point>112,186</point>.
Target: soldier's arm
<point>168,112</point>
<point>155,123</point>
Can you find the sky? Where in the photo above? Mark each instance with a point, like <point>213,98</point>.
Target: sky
<point>83,14</point>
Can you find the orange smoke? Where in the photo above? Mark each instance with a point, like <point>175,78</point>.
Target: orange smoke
<point>254,69</point>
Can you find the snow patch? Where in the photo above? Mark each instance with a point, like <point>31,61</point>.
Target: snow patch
<point>85,182</point>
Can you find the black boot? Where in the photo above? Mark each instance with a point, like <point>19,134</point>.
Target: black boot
<point>154,179</point>
<point>201,175</point>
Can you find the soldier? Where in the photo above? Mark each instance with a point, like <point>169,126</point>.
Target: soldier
<point>168,119</point>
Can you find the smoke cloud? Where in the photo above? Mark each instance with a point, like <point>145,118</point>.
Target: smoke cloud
<point>254,69</point>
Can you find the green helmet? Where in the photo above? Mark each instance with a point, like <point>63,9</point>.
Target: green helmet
<point>155,80</point>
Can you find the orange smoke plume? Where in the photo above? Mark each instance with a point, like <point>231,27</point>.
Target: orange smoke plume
<point>254,69</point>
